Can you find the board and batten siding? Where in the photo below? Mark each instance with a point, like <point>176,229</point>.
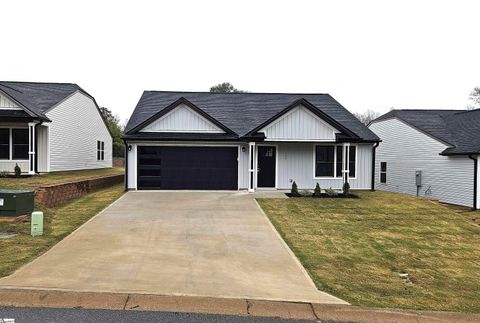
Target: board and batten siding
<point>242,158</point>
<point>296,163</point>
<point>448,179</point>
<point>182,119</point>
<point>299,124</point>
<point>6,103</point>
<point>75,128</point>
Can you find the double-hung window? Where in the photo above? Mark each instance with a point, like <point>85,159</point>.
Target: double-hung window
<point>4,143</point>
<point>20,144</point>
<point>14,144</point>
<point>329,161</point>
<point>383,172</point>
<point>100,150</point>
<point>324,161</point>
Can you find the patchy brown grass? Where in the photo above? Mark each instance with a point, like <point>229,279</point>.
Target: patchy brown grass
<point>58,223</point>
<point>356,248</point>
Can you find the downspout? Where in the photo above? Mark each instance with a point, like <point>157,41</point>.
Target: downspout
<point>475,180</point>
<point>374,151</point>
<point>126,165</point>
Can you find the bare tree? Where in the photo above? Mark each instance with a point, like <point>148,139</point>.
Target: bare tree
<point>367,116</point>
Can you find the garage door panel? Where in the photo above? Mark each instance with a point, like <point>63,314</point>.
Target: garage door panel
<point>162,167</point>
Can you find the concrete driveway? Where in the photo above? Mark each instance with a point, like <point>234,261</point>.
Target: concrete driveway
<point>216,244</point>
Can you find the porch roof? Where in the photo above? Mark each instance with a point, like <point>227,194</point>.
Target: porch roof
<point>16,115</point>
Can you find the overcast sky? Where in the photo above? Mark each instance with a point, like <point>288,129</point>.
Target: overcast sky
<point>366,54</point>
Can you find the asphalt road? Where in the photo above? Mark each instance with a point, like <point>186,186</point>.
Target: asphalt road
<point>40,315</point>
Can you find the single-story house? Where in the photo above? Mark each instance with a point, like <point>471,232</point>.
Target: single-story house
<point>430,153</point>
<point>232,141</point>
<point>47,127</point>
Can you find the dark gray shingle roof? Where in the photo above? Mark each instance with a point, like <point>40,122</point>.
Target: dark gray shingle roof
<point>38,97</point>
<point>243,112</point>
<point>459,129</point>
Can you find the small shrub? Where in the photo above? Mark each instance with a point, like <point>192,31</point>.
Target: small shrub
<point>346,188</point>
<point>3,173</point>
<point>294,190</point>
<point>317,192</point>
<point>331,192</point>
<point>305,193</point>
<point>18,170</point>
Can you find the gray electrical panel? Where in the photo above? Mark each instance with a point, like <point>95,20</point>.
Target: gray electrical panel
<point>418,177</point>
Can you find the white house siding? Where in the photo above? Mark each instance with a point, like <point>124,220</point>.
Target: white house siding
<point>242,159</point>
<point>299,124</point>
<point>405,149</point>
<point>182,119</point>
<point>75,128</point>
<point>9,165</point>
<point>296,163</point>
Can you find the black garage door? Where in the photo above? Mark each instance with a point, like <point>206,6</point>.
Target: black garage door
<point>193,168</point>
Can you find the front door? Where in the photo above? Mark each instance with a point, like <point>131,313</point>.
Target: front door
<point>266,166</point>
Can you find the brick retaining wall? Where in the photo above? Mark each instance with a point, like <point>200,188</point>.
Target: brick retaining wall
<point>118,162</point>
<point>54,195</point>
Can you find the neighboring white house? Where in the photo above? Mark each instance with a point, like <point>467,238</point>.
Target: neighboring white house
<point>230,141</point>
<point>429,153</point>
<point>48,127</point>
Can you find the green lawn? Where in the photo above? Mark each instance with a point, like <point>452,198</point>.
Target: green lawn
<point>58,223</point>
<point>31,183</point>
<point>355,248</point>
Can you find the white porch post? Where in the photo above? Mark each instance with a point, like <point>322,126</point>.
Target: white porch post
<point>251,167</point>
<point>31,148</point>
<point>345,162</point>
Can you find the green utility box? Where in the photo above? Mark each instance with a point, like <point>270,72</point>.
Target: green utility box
<point>37,223</point>
<point>16,202</point>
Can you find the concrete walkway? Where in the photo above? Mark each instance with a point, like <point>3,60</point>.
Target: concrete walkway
<point>216,244</point>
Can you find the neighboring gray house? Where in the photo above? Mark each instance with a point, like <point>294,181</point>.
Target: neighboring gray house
<point>444,145</point>
<point>230,141</point>
<point>47,127</point>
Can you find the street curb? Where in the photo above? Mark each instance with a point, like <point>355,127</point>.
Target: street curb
<point>224,306</point>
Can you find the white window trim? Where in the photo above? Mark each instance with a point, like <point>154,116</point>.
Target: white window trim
<point>10,152</point>
<point>334,177</point>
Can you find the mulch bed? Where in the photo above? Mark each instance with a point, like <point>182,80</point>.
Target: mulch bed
<point>325,196</point>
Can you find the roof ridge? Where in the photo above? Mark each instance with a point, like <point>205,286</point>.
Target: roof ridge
<point>29,82</point>
<point>11,88</point>
<point>459,110</point>
<point>262,93</point>
<point>467,111</point>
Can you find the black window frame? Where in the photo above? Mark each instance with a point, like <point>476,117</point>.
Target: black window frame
<point>329,163</point>
<point>352,163</point>
<point>5,145</point>
<point>25,144</point>
<point>338,161</point>
<point>383,172</point>
<point>100,150</point>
